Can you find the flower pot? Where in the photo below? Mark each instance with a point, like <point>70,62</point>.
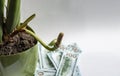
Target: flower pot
<point>20,64</point>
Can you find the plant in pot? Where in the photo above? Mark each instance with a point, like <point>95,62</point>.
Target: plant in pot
<point>18,42</point>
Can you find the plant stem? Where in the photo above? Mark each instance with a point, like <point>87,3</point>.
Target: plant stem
<point>55,44</point>
<point>52,42</point>
<point>26,22</point>
<point>2,2</point>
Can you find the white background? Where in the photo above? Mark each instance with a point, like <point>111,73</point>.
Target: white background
<point>93,24</point>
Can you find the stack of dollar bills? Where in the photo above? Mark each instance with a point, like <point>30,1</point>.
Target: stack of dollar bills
<point>61,62</point>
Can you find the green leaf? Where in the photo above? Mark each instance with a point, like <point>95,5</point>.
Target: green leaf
<point>2,2</point>
<point>13,15</point>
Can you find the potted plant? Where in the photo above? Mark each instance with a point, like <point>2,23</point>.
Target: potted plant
<point>18,42</point>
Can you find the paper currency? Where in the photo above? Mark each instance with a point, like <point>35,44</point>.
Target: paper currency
<point>40,63</point>
<point>67,67</point>
<point>69,60</point>
<point>45,61</point>
<point>45,72</point>
<point>55,58</point>
<point>61,62</point>
<point>76,71</point>
<point>44,65</point>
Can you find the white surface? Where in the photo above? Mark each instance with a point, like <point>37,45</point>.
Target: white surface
<point>93,24</point>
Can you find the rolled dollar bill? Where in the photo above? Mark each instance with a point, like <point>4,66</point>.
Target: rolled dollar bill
<point>45,72</point>
<point>77,71</point>
<point>44,66</point>
<point>55,58</point>
<point>69,60</point>
<point>46,63</point>
<point>40,63</point>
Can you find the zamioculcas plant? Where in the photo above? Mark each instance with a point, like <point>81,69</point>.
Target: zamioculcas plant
<point>18,42</point>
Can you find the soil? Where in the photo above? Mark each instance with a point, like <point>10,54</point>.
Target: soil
<point>18,43</point>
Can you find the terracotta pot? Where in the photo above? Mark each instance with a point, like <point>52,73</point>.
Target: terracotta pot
<point>20,64</point>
